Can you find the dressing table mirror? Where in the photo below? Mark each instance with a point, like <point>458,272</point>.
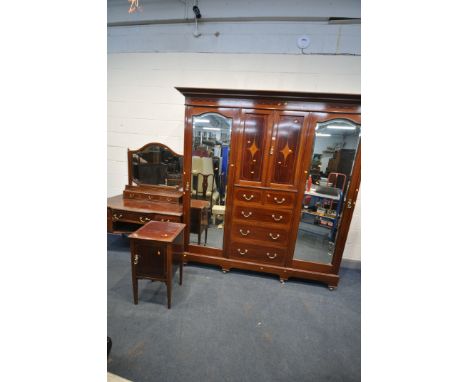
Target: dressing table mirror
<point>155,164</point>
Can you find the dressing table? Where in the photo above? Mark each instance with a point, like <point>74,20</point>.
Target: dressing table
<point>154,190</point>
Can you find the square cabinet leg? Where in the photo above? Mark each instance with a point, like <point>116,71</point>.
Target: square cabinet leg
<point>135,290</point>
<point>168,285</point>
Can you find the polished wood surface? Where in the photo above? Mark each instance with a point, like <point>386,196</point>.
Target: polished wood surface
<point>276,130</point>
<point>158,231</point>
<point>253,145</point>
<point>118,202</point>
<point>285,149</point>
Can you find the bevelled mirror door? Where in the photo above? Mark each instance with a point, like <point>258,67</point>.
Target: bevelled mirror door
<point>329,173</point>
<point>156,164</point>
<point>211,144</point>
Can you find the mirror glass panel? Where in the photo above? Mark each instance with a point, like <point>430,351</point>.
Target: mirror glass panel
<point>329,173</point>
<point>211,144</point>
<point>157,165</point>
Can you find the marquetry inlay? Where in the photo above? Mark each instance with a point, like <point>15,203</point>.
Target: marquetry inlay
<point>253,148</point>
<point>286,151</point>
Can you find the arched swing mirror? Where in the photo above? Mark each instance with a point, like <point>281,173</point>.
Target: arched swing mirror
<point>211,143</point>
<point>329,173</point>
<point>155,164</point>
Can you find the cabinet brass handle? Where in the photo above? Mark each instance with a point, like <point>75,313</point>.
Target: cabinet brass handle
<point>116,216</point>
<point>240,251</point>
<point>248,198</point>
<point>135,260</point>
<point>275,218</point>
<point>246,215</point>
<point>279,201</point>
<point>158,252</point>
<point>271,257</point>
<point>275,237</point>
<point>149,197</point>
<point>144,219</point>
<point>131,195</point>
<point>244,233</point>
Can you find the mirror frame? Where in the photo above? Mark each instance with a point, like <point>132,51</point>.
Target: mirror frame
<point>130,153</point>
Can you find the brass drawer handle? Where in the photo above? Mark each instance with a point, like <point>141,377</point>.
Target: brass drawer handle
<point>116,217</point>
<point>135,260</point>
<point>131,196</point>
<point>158,253</point>
<point>244,233</point>
<point>240,251</point>
<point>279,201</point>
<point>246,215</point>
<point>273,256</point>
<point>165,220</point>
<point>149,197</point>
<point>275,237</point>
<point>248,198</point>
<point>144,219</point>
<point>276,219</point>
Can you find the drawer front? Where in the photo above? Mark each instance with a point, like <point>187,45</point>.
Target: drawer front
<point>270,236</point>
<point>271,216</point>
<point>280,199</point>
<point>248,195</point>
<point>150,197</point>
<point>260,254</point>
<point>148,260</point>
<point>140,217</point>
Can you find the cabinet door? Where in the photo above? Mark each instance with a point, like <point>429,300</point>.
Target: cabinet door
<point>285,151</point>
<point>149,260</point>
<point>253,137</point>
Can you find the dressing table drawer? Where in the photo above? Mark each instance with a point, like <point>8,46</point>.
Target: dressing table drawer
<point>280,199</point>
<point>140,217</point>
<point>150,197</point>
<point>260,254</point>
<point>248,195</point>
<point>270,236</point>
<point>264,215</point>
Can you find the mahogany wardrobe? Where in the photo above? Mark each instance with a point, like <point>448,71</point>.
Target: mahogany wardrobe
<point>279,173</point>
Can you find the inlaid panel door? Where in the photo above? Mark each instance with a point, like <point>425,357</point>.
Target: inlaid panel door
<point>286,149</point>
<point>254,135</point>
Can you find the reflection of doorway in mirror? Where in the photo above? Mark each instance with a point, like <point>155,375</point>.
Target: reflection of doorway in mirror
<point>211,140</point>
<point>329,173</point>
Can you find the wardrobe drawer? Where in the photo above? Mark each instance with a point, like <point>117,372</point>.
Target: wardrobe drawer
<point>261,254</point>
<point>266,215</point>
<point>280,199</point>
<point>248,195</point>
<point>270,236</point>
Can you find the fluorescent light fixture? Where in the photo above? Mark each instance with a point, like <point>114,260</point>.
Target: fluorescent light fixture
<point>212,128</point>
<point>341,127</point>
<point>323,135</point>
<point>201,120</point>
